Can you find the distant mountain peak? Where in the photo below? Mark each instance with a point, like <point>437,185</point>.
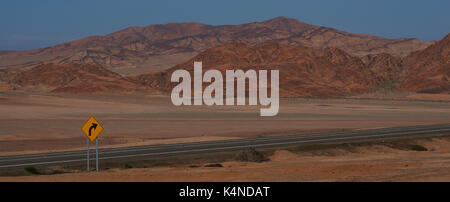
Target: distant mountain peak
<point>282,19</point>
<point>290,24</point>
<point>136,47</point>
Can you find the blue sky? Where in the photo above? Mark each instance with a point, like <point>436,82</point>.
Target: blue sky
<point>28,24</point>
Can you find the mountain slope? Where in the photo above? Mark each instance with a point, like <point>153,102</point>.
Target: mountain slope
<point>73,78</point>
<point>139,49</point>
<point>428,71</point>
<point>304,72</point>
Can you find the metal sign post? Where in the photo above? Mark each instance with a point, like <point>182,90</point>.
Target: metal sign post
<point>96,154</point>
<point>88,154</point>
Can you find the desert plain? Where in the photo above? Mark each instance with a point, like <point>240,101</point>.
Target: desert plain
<point>37,122</point>
<point>140,119</point>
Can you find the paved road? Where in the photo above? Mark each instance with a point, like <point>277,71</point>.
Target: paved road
<point>63,158</point>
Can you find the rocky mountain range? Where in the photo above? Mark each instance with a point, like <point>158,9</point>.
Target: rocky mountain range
<point>306,70</point>
<point>153,48</point>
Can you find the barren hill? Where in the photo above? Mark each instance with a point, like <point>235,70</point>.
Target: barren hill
<point>154,48</point>
<point>428,71</point>
<point>73,78</point>
<point>304,71</point>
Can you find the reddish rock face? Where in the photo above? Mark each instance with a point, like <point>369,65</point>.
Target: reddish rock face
<point>428,71</point>
<point>304,71</point>
<point>73,78</point>
<point>132,47</point>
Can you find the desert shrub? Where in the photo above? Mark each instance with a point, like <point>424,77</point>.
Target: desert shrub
<point>214,165</point>
<point>250,155</point>
<point>32,170</point>
<point>418,148</point>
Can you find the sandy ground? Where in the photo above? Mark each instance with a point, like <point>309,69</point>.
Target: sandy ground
<point>361,163</point>
<point>33,122</point>
<point>430,96</point>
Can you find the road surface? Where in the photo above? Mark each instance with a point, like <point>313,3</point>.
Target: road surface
<point>63,158</point>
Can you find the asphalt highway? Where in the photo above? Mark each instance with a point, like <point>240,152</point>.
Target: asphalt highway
<point>62,158</point>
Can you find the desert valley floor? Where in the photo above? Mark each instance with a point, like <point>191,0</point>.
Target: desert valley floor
<point>141,119</point>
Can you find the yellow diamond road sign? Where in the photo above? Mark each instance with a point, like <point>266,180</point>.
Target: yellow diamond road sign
<point>92,129</point>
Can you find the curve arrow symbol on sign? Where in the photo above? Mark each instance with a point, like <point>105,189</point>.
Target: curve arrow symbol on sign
<point>94,126</point>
